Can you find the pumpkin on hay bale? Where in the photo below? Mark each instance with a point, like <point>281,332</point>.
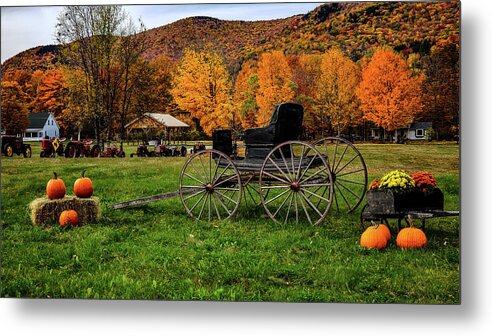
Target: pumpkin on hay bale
<point>45,211</point>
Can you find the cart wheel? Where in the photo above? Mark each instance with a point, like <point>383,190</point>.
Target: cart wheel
<point>294,184</point>
<point>210,186</point>
<point>348,170</point>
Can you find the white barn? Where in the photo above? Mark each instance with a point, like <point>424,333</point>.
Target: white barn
<point>41,124</point>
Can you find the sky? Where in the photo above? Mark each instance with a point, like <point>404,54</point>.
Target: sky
<point>23,28</point>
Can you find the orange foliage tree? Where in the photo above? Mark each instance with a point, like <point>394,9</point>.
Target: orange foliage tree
<point>245,91</point>
<point>389,95</point>
<point>14,108</point>
<point>25,80</point>
<point>338,81</point>
<point>275,84</point>
<point>50,93</point>
<point>201,86</point>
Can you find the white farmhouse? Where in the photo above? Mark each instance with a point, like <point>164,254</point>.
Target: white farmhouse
<point>41,124</point>
<point>416,131</point>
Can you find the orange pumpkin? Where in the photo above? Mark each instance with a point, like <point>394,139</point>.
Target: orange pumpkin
<point>411,238</point>
<point>69,217</point>
<point>83,187</point>
<point>374,237</point>
<point>386,231</point>
<point>55,188</point>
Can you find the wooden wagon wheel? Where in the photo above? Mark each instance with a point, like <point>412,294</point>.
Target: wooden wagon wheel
<point>293,183</point>
<point>348,170</point>
<point>210,186</point>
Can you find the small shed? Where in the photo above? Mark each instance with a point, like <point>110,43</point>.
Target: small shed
<point>151,123</point>
<point>41,124</point>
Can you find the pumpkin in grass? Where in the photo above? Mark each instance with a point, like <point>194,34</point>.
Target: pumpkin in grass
<point>411,238</point>
<point>55,189</point>
<point>374,237</point>
<point>386,231</point>
<point>83,187</point>
<point>69,217</point>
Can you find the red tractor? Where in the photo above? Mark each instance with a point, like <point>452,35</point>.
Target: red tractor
<point>75,149</point>
<point>111,150</point>
<point>51,147</point>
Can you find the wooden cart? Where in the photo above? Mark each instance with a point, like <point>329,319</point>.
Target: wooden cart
<point>295,180</point>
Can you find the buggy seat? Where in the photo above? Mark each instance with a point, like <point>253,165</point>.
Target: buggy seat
<point>285,125</point>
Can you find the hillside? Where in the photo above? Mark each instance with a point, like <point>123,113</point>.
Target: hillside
<point>354,27</point>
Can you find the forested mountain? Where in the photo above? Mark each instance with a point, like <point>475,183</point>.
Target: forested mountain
<point>354,27</point>
<point>389,63</point>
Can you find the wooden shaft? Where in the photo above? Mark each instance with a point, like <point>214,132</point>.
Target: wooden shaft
<point>149,199</point>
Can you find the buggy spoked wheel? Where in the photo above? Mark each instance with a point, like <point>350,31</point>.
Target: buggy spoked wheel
<point>210,186</point>
<point>251,194</point>
<point>348,170</point>
<point>293,184</point>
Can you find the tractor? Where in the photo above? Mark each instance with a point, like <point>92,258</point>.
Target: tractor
<point>51,147</point>
<point>75,149</point>
<point>14,144</point>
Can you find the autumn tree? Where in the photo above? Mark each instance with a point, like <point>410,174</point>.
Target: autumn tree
<point>76,114</point>
<point>338,81</point>
<point>305,73</point>
<point>50,94</point>
<point>90,37</point>
<point>389,95</point>
<point>275,84</point>
<point>442,87</point>
<point>36,78</point>
<point>23,79</point>
<point>131,47</point>
<point>151,85</point>
<point>201,86</point>
<point>14,108</point>
<point>245,92</point>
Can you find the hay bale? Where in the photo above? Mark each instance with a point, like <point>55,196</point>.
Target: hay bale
<point>45,211</point>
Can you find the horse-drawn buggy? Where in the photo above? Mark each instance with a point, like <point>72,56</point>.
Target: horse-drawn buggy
<point>292,179</point>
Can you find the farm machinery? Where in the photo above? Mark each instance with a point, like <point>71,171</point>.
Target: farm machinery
<point>51,147</point>
<point>111,150</point>
<point>160,150</point>
<point>75,149</point>
<point>294,180</point>
<point>12,144</point>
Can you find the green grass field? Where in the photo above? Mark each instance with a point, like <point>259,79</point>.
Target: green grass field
<point>157,252</point>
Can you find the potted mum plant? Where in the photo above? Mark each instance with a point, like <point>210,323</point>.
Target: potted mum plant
<point>397,191</point>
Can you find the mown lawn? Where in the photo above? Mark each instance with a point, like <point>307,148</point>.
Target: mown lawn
<point>156,252</point>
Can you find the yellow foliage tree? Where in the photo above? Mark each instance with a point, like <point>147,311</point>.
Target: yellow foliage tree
<point>390,96</point>
<point>338,81</point>
<point>76,113</point>
<point>275,84</point>
<point>245,91</point>
<point>201,86</point>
